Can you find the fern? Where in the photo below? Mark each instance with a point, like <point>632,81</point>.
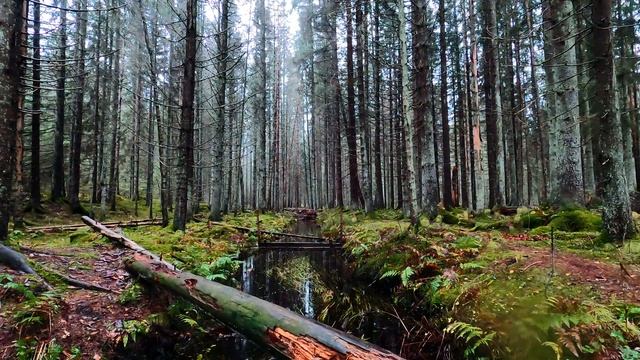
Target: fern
<point>471,266</point>
<point>467,242</point>
<point>389,273</point>
<point>405,275</point>
<point>474,336</point>
<point>557,349</point>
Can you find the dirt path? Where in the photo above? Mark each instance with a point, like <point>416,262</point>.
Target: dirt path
<point>89,320</point>
<point>621,281</point>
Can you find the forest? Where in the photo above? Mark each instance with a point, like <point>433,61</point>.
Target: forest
<point>319,179</point>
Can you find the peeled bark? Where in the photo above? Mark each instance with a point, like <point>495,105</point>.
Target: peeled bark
<point>284,331</point>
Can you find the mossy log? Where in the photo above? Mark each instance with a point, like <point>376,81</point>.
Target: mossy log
<point>122,240</point>
<point>286,332</point>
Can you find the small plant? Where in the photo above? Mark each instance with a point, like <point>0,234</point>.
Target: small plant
<point>131,329</point>
<point>474,336</point>
<point>37,311</point>
<point>25,348</point>
<point>466,243</point>
<point>7,282</point>
<point>222,269</point>
<point>130,294</point>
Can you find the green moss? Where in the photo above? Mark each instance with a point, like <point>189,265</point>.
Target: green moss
<point>269,221</point>
<point>531,219</point>
<point>450,218</point>
<point>576,220</point>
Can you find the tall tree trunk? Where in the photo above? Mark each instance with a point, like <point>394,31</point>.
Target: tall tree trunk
<point>35,117</point>
<point>96,115</point>
<point>19,183</point>
<point>361,46</point>
<point>11,23</point>
<point>378,197</point>
<point>492,106</point>
<point>616,214</point>
<point>57,187</point>
<point>421,105</point>
<point>261,108</point>
<point>539,169</point>
<point>115,117</point>
<point>221,114</point>
<point>186,118</point>
<point>76,133</point>
<point>566,169</point>
<point>357,199</point>
<point>407,115</point>
<point>444,112</point>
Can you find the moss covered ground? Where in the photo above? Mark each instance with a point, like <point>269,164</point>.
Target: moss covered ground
<point>486,285</point>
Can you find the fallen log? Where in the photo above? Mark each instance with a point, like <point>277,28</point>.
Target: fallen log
<point>15,260</point>
<point>123,240</point>
<point>284,331</point>
<point>68,227</point>
<point>265,232</point>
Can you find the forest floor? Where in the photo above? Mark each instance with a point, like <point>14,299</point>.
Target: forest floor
<point>488,286</point>
<point>463,285</point>
<point>73,323</point>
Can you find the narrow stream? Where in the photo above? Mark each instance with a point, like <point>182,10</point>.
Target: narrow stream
<point>303,280</point>
<point>287,277</point>
<point>300,279</point>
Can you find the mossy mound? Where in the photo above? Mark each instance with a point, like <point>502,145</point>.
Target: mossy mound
<point>576,220</point>
<point>532,219</point>
<point>456,216</point>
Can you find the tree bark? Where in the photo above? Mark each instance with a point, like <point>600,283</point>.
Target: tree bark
<point>616,213</point>
<point>444,112</point>
<point>566,169</point>
<point>421,105</point>
<point>10,28</point>
<point>57,187</point>
<point>36,111</point>
<point>76,133</point>
<point>493,112</point>
<point>186,118</point>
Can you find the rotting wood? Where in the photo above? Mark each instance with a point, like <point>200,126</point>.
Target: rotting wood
<point>122,240</point>
<point>68,227</point>
<point>284,331</point>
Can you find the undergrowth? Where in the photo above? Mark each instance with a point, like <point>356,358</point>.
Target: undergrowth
<point>476,295</point>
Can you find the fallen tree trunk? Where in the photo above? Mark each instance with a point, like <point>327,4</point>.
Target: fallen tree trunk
<point>272,233</point>
<point>288,333</point>
<point>67,227</point>
<point>123,240</point>
<point>15,260</point>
